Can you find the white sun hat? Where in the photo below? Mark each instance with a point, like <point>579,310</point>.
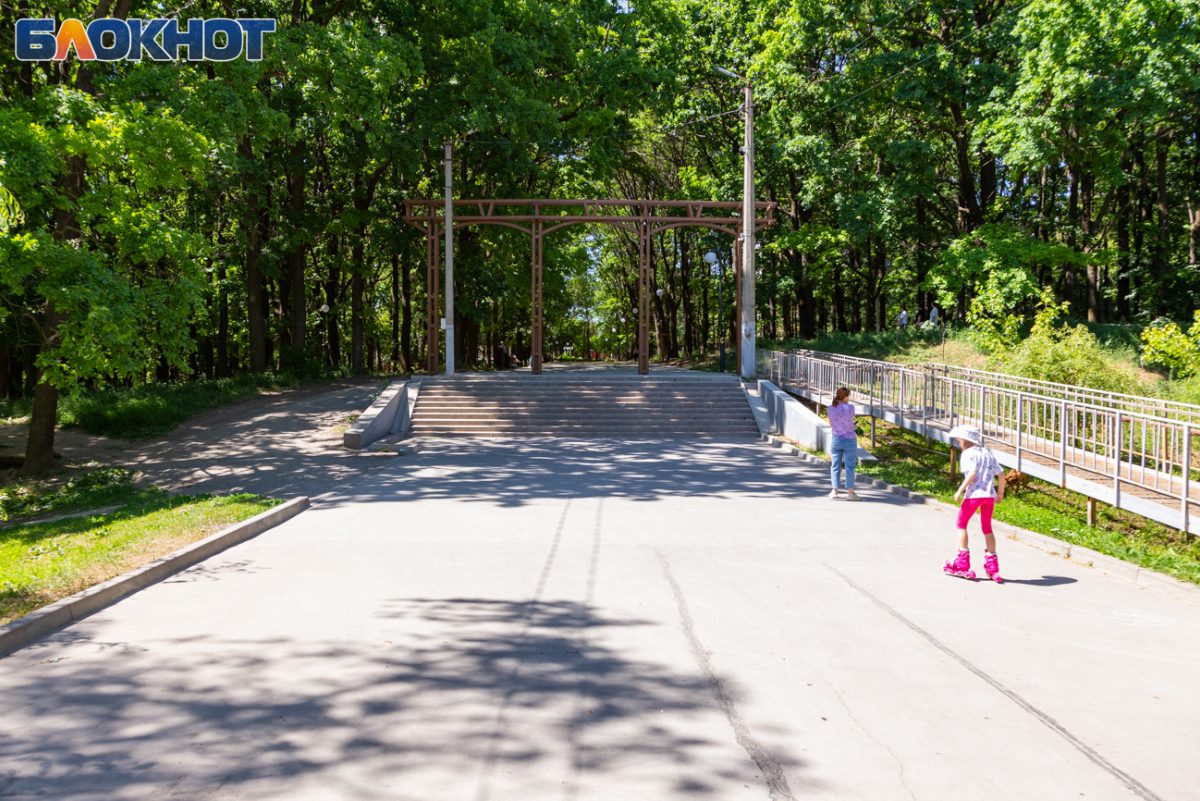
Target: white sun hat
<point>969,433</point>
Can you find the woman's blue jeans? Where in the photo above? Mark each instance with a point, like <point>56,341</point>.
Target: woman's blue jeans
<point>845,451</point>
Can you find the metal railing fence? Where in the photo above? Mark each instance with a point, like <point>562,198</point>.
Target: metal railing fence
<point>1135,453</point>
<point>1133,404</point>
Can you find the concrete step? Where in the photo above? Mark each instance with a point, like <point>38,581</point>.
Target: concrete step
<point>620,408</point>
<point>484,431</point>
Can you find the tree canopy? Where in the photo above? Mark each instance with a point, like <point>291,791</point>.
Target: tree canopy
<point>165,220</point>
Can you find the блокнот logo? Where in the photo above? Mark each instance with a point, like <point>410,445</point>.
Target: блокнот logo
<point>108,39</point>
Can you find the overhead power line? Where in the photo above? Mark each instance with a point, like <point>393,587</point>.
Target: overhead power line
<point>585,139</point>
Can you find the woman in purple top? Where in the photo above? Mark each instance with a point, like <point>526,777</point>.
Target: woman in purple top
<point>845,443</point>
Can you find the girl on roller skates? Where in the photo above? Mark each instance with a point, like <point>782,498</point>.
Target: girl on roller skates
<point>977,492</point>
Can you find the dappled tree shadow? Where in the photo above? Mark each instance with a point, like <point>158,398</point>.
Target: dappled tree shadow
<point>466,691</point>
<point>515,472</point>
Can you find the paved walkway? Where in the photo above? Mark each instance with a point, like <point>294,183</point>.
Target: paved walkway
<point>283,444</point>
<point>605,620</point>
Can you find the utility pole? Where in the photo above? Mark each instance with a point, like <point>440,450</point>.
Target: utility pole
<point>748,367</point>
<point>448,322</point>
<point>747,326</point>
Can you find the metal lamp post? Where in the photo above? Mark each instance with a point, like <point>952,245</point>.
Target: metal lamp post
<point>662,356</point>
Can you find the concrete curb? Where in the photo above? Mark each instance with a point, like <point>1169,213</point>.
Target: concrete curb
<point>48,619</point>
<point>1076,553</point>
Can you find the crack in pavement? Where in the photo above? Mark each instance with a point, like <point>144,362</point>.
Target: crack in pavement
<point>771,770</point>
<point>1133,784</point>
<point>872,737</point>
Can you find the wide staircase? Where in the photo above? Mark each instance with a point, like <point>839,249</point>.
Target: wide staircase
<point>498,405</point>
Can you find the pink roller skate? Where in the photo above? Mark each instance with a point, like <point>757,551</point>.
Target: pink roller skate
<point>960,566</point>
<point>991,563</point>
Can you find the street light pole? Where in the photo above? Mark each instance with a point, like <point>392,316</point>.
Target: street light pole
<point>748,365</point>
<point>449,326</point>
<point>749,314</point>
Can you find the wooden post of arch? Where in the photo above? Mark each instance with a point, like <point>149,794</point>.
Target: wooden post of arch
<point>644,266</point>
<point>535,294</point>
<point>423,214</point>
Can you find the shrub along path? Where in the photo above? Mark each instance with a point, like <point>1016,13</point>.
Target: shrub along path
<point>281,444</point>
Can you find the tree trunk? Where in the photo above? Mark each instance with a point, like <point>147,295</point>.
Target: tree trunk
<point>1087,198</point>
<point>5,372</point>
<point>395,308</point>
<point>299,310</point>
<point>689,318</point>
<point>39,447</point>
<point>1162,239</point>
<point>406,352</point>
<point>1123,265</point>
<point>1193,201</point>
<point>839,299</point>
<point>333,291</point>
<point>1070,288</point>
<point>223,370</point>
<point>987,182</point>
<point>357,284</point>
<point>255,231</point>
<point>967,201</point>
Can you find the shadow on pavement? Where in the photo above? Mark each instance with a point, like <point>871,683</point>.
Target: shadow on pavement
<point>1044,581</point>
<point>466,691</point>
<point>514,472</point>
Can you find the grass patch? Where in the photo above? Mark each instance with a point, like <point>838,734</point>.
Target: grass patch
<point>44,562</point>
<point>108,486</point>
<point>147,410</point>
<point>1041,507</point>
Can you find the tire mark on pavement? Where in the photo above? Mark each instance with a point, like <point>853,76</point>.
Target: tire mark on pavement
<point>1133,784</point>
<point>771,770</point>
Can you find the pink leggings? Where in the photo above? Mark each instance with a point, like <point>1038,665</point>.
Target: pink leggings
<point>967,510</point>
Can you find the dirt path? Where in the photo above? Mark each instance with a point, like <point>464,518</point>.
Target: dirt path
<point>283,444</point>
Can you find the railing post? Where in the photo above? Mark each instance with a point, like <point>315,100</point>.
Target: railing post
<point>925,403</point>
<point>1117,463</point>
<point>983,411</point>
<point>1187,476</point>
<point>951,410</point>
<point>1020,425</point>
<point>1062,445</point>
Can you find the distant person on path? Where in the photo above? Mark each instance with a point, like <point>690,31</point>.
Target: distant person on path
<point>977,492</point>
<point>933,314</point>
<point>902,320</point>
<point>845,443</point>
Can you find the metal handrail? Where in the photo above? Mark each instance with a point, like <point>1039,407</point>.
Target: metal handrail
<point>1136,460</point>
<point>1155,407</point>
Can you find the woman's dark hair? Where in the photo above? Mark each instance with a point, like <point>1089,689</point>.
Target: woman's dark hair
<point>840,396</point>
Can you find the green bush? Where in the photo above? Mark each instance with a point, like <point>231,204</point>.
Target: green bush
<point>152,409</point>
<point>1061,353</point>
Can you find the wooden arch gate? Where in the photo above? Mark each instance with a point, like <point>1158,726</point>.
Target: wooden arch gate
<point>644,218</point>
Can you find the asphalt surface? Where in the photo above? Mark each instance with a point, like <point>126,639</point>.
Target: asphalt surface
<point>611,620</point>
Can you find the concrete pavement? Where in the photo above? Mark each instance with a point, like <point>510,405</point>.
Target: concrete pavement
<point>559,619</point>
